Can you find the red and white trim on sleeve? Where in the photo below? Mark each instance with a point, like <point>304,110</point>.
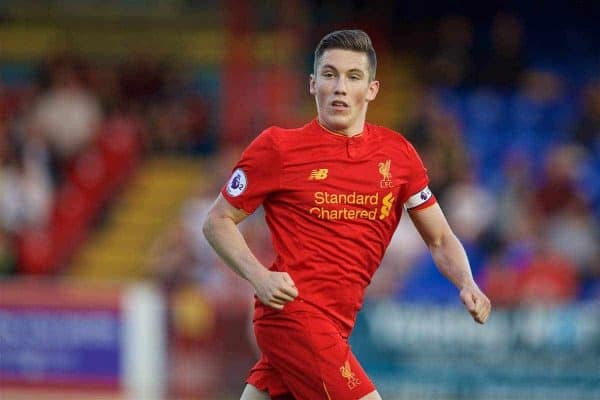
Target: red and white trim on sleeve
<point>422,199</point>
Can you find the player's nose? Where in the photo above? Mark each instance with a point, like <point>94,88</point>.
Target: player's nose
<point>340,86</point>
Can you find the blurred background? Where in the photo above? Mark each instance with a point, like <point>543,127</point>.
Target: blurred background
<point>121,119</point>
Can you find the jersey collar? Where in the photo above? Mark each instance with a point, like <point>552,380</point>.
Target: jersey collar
<point>359,137</point>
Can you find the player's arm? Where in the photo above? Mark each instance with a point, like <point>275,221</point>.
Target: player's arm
<point>451,259</point>
<point>274,289</point>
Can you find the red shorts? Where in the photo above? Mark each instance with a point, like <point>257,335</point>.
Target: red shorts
<point>304,357</point>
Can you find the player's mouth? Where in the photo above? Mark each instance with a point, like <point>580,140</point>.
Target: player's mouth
<point>339,105</point>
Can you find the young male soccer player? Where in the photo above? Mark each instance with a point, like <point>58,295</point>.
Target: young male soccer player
<point>333,192</point>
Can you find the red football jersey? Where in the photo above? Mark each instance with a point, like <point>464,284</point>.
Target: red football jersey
<point>332,204</point>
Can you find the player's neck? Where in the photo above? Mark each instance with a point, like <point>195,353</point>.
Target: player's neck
<point>350,132</point>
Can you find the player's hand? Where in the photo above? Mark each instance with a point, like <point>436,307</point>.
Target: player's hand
<point>477,303</point>
<point>276,289</point>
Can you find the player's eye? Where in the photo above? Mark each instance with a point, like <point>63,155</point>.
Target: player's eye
<point>327,74</point>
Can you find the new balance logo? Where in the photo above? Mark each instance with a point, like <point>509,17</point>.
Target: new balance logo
<point>318,174</point>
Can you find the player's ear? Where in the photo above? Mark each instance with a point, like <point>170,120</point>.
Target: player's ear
<point>373,90</point>
<point>311,85</point>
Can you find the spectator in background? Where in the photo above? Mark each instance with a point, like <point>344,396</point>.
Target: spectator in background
<point>452,62</point>
<point>558,189</point>
<point>542,87</point>
<point>587,127</point>
<point>514,221</point>
<point>172,261</point>
<point>499,278</point>
<point>197,125</point>
<point>503,66</point>
<point>142,80</point>
<point>510,245</point>
<point>104,81</point>
<point>548,279</point>
<point>437,134</point>
<point>8,177</point>
<point>471,208</point>
<point>574,234</point>
<point>531,274</point>
<point>67,115</point>
<point>180,125</point>
<point>25,187</point>
<point>539,116</point>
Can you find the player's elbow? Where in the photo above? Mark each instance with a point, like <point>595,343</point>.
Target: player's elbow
<point>208,226</point>
<point>216,221</point>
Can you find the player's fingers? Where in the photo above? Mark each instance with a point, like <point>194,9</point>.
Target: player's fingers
<point>469,301</point>
<point>482,318</point>
<point>479,317</point>
<point>272,302</point>
<point>281,295</point>
<point>487,311</point>
<point>288,279</point>
<point>483,303</point>
<point>480,306</point>
<point>290,291</point>
<point>277,304</point>
<point>485,317</point>
<point>483,310</point>
<point>475,306</point>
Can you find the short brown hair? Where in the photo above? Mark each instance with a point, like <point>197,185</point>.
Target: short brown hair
<point>349,39</point>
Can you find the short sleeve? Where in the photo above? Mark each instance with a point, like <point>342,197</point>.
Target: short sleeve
<point>256,174</point>
<point>417,194</point>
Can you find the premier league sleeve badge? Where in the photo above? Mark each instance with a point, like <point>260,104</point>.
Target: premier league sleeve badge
<point>237,183</point>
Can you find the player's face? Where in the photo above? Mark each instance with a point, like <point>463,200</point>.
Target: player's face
<point>342,90</point>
